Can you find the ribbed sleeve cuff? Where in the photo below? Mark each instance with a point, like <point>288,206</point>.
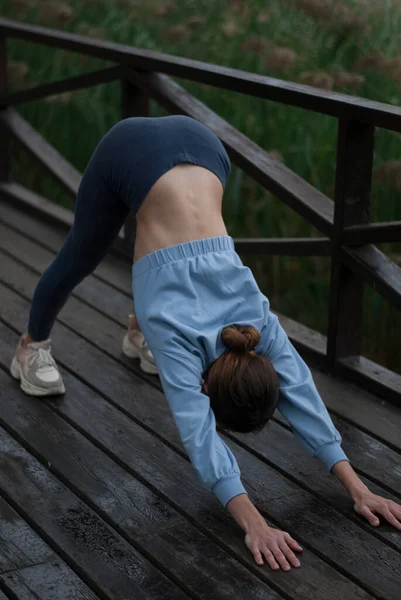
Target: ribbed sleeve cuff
<point>228,487</point>
<point>330,454</point>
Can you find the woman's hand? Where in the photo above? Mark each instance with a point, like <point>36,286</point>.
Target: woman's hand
<point>369,505</point>
<point>276,546</point>
<point>366,503</point>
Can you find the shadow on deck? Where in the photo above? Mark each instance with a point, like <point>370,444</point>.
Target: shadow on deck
<point>98,499</point>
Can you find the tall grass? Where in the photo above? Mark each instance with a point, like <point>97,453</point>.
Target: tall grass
<point>348,45</point>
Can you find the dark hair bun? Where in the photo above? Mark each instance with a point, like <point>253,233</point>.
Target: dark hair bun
<point>240,338</point>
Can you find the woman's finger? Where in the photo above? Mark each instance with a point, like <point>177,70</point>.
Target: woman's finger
<point>270,558</point>
<point>391,518</point>
<point>280,558</point>
<point>367,513</point>
<point>292,543</point>
<point>257,556</point>
<point>395,509</point>
<point>290,556</point>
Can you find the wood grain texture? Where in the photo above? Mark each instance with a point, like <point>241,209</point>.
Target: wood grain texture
<point>377,270</point>
<point>136,512</point>
<point>265,484</point>
<point>20,546</point>
<point>47,581</point>
<point>98,554</point>
<point>32,203</point>
<point>163,469</point>
<point>330,103</point>
<point>114,268</point>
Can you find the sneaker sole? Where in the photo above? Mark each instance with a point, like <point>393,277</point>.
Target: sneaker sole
<point>132,352</point>
<point>29,388</point>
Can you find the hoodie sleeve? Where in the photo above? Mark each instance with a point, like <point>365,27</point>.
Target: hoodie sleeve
<point>299,400</point>
<point>215,464</point>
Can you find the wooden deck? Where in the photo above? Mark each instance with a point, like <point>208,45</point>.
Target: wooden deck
<point>97,496</point>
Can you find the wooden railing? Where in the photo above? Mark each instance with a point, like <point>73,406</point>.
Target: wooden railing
<point>348,235</point>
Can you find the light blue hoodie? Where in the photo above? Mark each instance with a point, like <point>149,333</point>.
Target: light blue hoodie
<point>184,296</point>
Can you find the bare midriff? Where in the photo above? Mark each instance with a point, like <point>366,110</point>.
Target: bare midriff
<point>184,205</point>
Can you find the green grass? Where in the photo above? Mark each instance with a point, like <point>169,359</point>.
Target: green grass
<point>297,287</point>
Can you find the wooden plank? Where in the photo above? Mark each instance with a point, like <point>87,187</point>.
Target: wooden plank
<point>377,379</point>
<point>92,291</point>
<point>105,333</point>
<point>106,562</point>
<point>160,467</point>
<point>27,200</point>
<point>28,566</point>
<point>20,546</point>
<point>355,146</point>
<point>42,151</point>
<point>366,411</point>
<point>341,397</point>
<point>286,92</point>
<point>377,270</point>
<point>58,87</point>
<point>114,268</point>
<point>278,447</point>
<point>264,483</point>
<point>374,233</point>
<point>283,246</point>
<point>251,158</point>
<point>137,513</point>
<point>47,581</point>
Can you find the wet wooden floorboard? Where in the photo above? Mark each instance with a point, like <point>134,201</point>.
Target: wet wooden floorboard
<point>98,498</point>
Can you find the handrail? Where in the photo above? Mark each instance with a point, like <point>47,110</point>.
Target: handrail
<point>292,94</point>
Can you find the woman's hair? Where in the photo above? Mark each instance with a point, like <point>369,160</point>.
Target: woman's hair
<point>242,386</point>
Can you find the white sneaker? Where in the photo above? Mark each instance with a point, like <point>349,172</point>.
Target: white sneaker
<point>35,367</point>
<point>135,346</point>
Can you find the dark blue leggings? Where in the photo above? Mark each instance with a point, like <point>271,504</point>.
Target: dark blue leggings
<point>129,159</point>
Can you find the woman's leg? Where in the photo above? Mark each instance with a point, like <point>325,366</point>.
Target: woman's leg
<point>99,217</point>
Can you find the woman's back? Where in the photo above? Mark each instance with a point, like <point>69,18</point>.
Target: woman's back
<point>184,205</point>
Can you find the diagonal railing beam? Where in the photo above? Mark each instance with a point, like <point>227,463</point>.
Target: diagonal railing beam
<point>58,87</point>
<point>42,151</point>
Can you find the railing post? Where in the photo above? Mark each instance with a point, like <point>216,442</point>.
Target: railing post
<point>353,181</point>
<point>5,137</point>
<point>134,103</point>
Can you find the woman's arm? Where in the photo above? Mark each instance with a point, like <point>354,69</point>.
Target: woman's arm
<point>366,503</point>
<point>302,406</point>
<point>299,400</point>
<point>263,541</point>
<point>213,460</point>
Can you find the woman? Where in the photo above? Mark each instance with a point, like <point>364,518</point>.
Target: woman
<point>190,287</point>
